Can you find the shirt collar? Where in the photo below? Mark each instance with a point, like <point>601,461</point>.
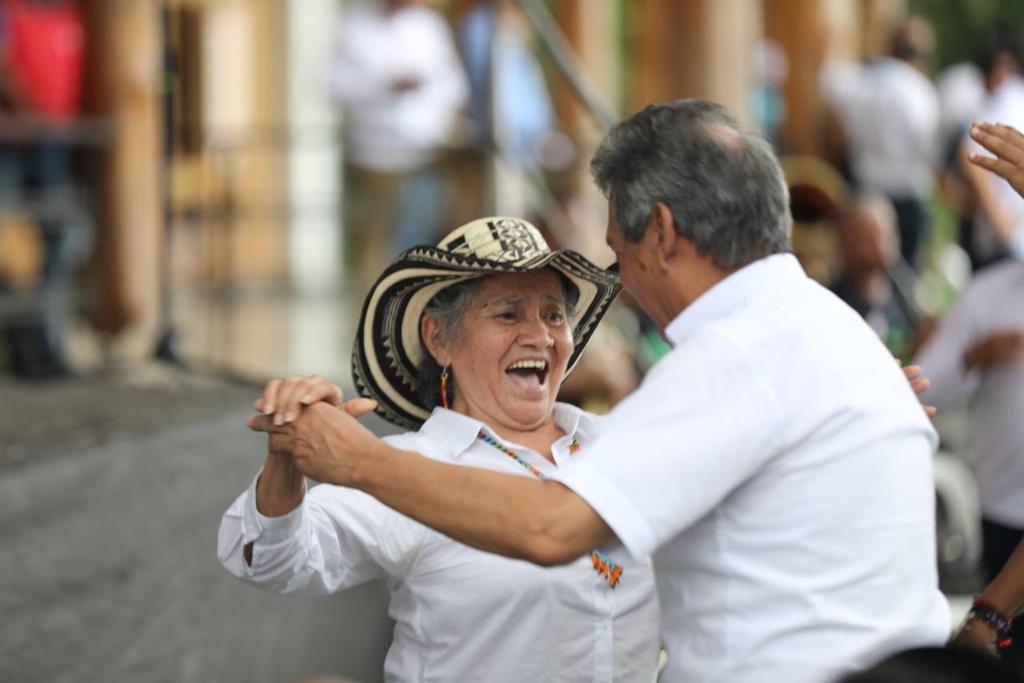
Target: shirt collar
<point>734,291</point>
<point>456,433</point>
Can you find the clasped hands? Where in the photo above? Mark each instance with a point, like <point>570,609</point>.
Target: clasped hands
<point>308,423</point>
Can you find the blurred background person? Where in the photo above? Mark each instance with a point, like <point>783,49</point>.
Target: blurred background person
<point>977,357</point>
<point>889,111</point>
<point>997,228</point>
<point>961,89</point>
<point>397,71</point>
<point>818,196</point>
<point>975,360</point>
<point>513,121</point>
<point>873,279</point>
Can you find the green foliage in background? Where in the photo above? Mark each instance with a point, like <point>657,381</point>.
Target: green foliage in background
<point>962,26</point>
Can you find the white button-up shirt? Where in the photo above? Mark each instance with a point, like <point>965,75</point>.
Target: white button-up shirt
<point>993,302</point>
<point>890,112</point>
<point>778,466</point>
<point>389,130</point>
<point>461,614</point>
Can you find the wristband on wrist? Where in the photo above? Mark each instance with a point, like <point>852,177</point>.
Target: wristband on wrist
<point>982,610</point>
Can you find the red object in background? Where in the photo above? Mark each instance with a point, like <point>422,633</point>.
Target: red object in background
<point>46,54</point>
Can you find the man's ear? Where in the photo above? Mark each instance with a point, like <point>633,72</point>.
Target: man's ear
<point>667,239</point>
<point>430,332</point>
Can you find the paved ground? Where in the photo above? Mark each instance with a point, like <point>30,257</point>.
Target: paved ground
<point>110,494</point>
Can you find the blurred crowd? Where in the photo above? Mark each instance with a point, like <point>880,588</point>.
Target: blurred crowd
<point>457,120</point>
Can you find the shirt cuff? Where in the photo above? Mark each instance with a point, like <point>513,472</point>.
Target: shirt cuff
<point>270,530</point>
<point>614,507</point>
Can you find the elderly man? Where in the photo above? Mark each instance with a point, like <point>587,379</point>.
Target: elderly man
<point>775,463</point>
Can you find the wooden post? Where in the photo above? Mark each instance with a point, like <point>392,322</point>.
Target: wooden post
<point>124,56</point>
<point>694,48</point>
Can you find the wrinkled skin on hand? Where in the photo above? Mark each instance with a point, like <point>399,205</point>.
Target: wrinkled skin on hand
<point>324,442</point>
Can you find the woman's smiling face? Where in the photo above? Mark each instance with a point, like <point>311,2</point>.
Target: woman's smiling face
<point>510,359</point>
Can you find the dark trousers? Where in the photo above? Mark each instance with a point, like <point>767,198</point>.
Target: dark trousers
<point>999,543</point>
<point>914,227</point>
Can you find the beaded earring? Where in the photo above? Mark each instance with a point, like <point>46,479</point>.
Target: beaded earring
<point>444,387</point>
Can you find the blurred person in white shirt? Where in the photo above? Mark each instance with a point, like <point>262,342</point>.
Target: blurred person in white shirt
<point>889,110</point>
<point>976,360</point>
<point>999,218</point>
<point>397,71</point>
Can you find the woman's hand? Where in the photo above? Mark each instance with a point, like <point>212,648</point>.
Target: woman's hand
<point>283,399</point>
<point>1007,144</point>
<point>325,443</point>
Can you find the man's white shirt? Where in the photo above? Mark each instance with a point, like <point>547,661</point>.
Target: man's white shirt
<point>890,112</point>
<point>778,466</point>
<point>461,614</point>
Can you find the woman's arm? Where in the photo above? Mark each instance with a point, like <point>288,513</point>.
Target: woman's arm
<point>277,536</point>
<point>281,485</point>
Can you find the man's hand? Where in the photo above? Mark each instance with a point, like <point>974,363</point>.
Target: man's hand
<point>1007,144</point>
<point>325,442</point>
<point>919,383</point>
<point>998,348</point>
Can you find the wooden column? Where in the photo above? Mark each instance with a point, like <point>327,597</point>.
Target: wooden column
<point>124,53</point>
<point>693,48</point>
<point>797,26</point>
<point>259,245</point>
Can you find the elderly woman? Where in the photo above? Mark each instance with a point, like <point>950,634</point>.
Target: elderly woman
<point>466,343</point>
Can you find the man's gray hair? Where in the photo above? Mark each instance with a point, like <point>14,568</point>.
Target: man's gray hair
<point>723,185</point>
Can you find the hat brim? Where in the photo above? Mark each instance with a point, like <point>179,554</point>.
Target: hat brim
<point>388,350</point>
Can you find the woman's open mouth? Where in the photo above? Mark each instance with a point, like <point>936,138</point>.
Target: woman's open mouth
<point>529,373</point>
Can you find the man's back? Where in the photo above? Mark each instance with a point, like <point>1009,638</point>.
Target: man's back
<point>793,523</point>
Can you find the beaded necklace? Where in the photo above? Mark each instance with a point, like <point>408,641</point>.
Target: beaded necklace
<point>602,564</point>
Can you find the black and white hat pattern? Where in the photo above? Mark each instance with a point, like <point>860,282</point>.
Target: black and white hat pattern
<point>388,349</point>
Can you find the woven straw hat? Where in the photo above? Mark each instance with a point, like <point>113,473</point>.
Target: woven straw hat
<point>388,349</point>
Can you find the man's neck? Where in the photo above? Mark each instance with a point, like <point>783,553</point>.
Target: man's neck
<point>684,286</point>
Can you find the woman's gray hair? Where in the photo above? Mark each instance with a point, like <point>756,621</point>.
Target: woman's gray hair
<point>723,185</point>
<point>449,306</point>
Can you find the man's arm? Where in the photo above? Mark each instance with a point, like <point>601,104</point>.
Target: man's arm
<point>543,522</point>
<point>1006,595</point>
